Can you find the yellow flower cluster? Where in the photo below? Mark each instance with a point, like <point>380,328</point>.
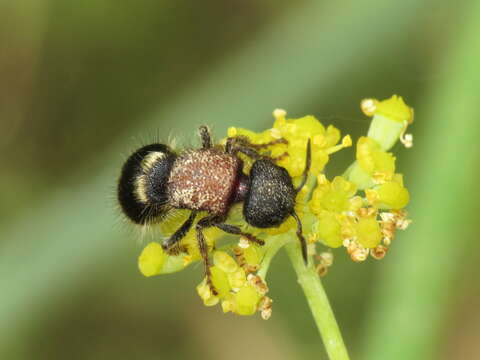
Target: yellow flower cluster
<point>360,210</point>
<point>238,290</point>
<point>291,154</point>
<point>331,202</point>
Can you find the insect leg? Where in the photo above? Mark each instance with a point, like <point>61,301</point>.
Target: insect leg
<point>204,133</point>
<point>206,222</point>
<point>303,243</point>
<point>270,143</point>
<point>169,245</point>
<point>232,229</point>
<point>237,144</point>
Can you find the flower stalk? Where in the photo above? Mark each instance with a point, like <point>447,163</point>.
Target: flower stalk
<point>319,305</point>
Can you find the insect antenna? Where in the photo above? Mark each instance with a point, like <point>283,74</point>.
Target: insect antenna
<point>308,162</point>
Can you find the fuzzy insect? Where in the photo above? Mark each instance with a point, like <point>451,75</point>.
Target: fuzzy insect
<point>155,180</point>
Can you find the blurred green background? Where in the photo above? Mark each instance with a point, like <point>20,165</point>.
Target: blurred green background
<point>82,83</point>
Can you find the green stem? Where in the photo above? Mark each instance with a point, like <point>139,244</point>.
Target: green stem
<point>274,244</point>
<point>319,304</point>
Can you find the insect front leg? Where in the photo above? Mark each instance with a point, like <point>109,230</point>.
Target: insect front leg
<point>205,136</point>
<point>170,246</point>
<point>203,223</point>
<point>235,230</point>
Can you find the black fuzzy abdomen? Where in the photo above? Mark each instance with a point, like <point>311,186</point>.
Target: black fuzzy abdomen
<point>271,196</point>
<point>141,190</point>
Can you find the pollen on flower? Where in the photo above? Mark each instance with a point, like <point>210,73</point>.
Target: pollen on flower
<point>369,106</point>
<point>357,252</point>
<point>258,283</point>
<point>378,252</point>
<point>265,307</point>
<point>406,140</point>
<point>279,114</point>
<point>243,243</point>
<point>347,141</point>
<point>325,261</point>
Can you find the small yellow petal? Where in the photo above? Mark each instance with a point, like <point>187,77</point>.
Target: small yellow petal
<point>329,230</point>
<point>237,279</point>
<point>395,109</point>
<point>392,195</point>
<point>246,300</point>
<point>368,232</point>
<point>253,255</point>
<point>373,159</point>
<point>334,196</point>
<point>151,259</point>
<point>220,281</point>
<point>224,261</point>
<point>206,295</point>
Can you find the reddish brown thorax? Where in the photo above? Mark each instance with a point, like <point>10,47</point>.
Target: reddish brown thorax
<point>204,179</point>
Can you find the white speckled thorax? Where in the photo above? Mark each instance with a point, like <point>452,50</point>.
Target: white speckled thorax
<point>203,179</point>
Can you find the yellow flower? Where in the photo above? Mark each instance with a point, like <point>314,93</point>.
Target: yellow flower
<point>237,279</point>
<point>224,262</point>
<point>206,295</point>
<point>391,195</point>
<point>296,132</point>
<point>329,229</point>
<point>391,118</point>
<point>336,196</point>
<point>253,255</point>
<point>237,293</point>
<point>220,281</point>
<point>368,232</point>
<point>246,300</point>
<point>373,159</point>
<point>395,109</point>
<point>154,261</point>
